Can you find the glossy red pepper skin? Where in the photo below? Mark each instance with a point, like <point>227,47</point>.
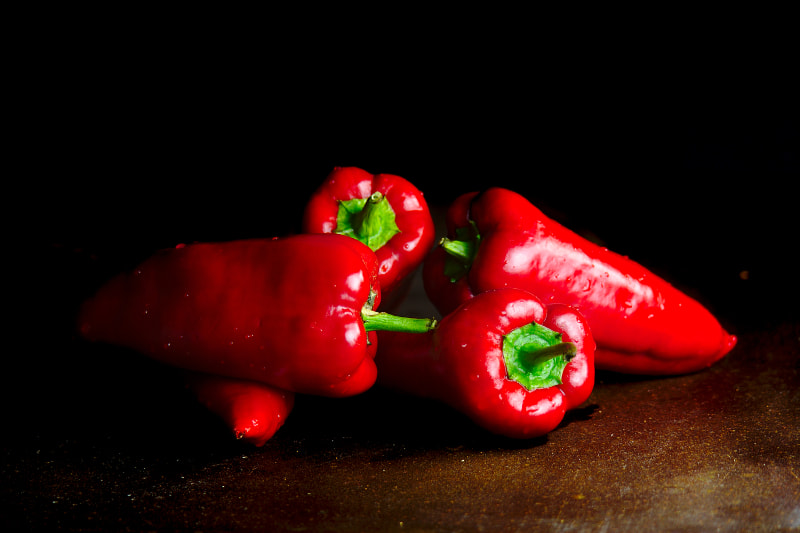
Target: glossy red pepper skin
<point>461,363</point>
<point>402,253</point>
<point>642,324</point>
<point>253,411</point>
<point>285,312</point>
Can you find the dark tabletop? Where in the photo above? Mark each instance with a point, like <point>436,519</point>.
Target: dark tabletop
<point>101,439</point>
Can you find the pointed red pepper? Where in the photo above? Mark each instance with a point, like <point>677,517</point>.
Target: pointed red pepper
<point>641,323</point>
<point>384,211</point>
<point>296,313</point>
<point>503,358</point>
<point>253,411</point>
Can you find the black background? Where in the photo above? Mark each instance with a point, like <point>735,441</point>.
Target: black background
<point>700,188</point>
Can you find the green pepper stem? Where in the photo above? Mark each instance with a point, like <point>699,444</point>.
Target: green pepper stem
<point>363,221</point>
<point>462,250</point>
<point>537,354</point>
<point>379,321</point>
<point>369,220</point>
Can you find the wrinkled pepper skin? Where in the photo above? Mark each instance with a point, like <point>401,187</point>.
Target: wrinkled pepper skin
<point>286,312</point>
<point>461,363</point>
<point>403,252</point>
<point>642,324</point>
<point>253,411</point>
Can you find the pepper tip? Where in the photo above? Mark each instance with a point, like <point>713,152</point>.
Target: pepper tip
<point>728,344</point>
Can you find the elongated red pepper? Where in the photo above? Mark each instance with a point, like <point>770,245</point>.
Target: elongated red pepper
<point>510,363</point>
<point>641,323</point>
<point>253,411</point>
<point>296,313</point>
<point>384,211</point>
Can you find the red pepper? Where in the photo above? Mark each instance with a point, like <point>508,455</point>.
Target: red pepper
<point>642,324</point>
<point>254,411</point>
<point>510,363</point>
<point>384,211</point>
<point>296,313</point>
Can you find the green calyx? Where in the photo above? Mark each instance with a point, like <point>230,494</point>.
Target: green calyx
<point>535,356</point>
<point>369,220</point>
<point>461,251</point>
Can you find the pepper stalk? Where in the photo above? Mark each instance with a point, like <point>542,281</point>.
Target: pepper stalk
<point>536,356</point>
<point>381,321</point>
<point>370,220</point>
<point>461,251</point>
